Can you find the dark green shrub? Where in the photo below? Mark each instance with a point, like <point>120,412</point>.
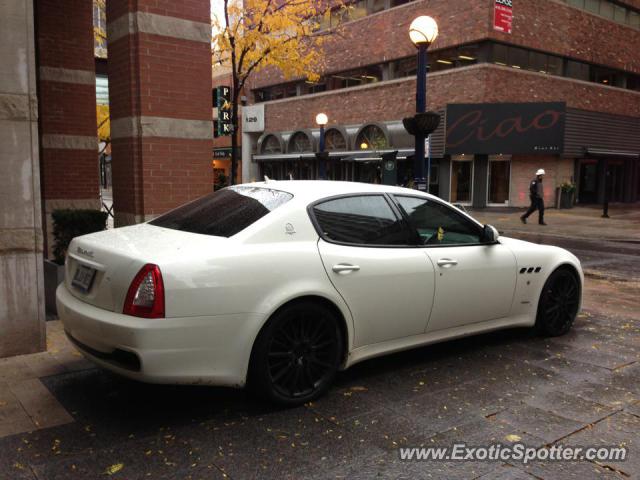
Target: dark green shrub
<point>68,224</point>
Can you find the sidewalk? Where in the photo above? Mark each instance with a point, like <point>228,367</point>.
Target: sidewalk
<point>25,403</point>
<point>584,223</point>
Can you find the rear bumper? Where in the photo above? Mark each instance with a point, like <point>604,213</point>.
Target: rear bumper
<point>191,350</point>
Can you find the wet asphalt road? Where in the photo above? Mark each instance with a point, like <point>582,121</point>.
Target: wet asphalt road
<point>580,389</point>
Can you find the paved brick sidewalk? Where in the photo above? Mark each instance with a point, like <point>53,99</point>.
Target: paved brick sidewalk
<point>25,403</point>
<point>579,222</point>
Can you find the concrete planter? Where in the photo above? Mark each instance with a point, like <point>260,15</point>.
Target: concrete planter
<point>53,276</point>
<point>566,199</point>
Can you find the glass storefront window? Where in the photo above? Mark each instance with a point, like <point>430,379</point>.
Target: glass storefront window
<point>606,10</point>
<point>271,145</point>
<point>619,14</point>
<point>371,137</point>
<point>578,70</point>
<point>461,179</point>
<point>592,6</point>
<point>299,143</point>
<point>499,54</point>
<point>518,57</point>
<point>554,65</point>
<point>334,140</point>
<point>499,180</point>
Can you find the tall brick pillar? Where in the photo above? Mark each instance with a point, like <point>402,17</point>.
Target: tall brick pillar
<point>67,104</point>
<point>160,104</point>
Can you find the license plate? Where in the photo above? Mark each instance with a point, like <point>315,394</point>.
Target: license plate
<point>83,278</point>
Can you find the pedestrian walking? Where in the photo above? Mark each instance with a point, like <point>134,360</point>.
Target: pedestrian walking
<point>536,194</point>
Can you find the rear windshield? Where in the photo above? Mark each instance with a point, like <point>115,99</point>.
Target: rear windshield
<point>225,212</point>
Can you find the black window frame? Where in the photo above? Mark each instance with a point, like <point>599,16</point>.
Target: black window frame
<point>414,234</point>
<point>392,206</point>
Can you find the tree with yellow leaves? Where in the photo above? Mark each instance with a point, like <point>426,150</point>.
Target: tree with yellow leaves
<point>99,28</point>
<point>255,34</point>
<point>104,125</point>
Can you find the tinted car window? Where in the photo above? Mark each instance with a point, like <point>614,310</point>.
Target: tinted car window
<point>365,220</point>
<point>438,224</point>
<point>225,212</point>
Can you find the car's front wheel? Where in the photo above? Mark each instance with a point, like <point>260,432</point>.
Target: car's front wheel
<point>297,354</point>
<point>558,304</point>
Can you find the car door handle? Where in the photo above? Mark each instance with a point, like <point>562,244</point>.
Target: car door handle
<point>447,262</point>
<point>345,268</point>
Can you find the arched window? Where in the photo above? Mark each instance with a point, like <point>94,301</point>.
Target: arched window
<point>299,142</point>
<point>371,137</point>
<point>271,144</point>
<point>334,140</point>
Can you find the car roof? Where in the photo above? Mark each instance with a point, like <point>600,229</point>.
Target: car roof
<point>311,190</point>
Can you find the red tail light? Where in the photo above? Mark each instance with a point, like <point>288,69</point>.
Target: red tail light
<point>145,297</point>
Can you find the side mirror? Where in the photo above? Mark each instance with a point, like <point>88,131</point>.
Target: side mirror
<point>489,234</point>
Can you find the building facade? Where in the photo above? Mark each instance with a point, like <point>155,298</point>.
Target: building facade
<point>519,86</point>
<point>159,95</point>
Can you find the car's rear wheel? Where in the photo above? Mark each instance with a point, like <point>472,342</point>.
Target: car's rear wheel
<point>558,304</point>
<point>297,354</point>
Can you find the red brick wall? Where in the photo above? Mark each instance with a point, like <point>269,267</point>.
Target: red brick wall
<point>523,171</point>
<point>65,40</point>
<point>68,109</point>
<point>65,33</point>
<point>555,27</point>
<point>195,10</point>
<point>548,25</point>
<point>159,76</point>
<point>385,35</point>
<point>481,83</point>
<point>67,173</point>
<point>171,77</point>
<point>174,171</point>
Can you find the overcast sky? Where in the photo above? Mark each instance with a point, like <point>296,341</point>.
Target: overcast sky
<point>216,9</point>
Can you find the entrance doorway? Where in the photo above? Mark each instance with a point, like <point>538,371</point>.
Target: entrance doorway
<point>588,191</point>
<point>499,180</point>
<point>616,180</point>
<point>461,179</point>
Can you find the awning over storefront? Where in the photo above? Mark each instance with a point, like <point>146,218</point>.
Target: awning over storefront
<point>345,156</point>
<point>605,152</point>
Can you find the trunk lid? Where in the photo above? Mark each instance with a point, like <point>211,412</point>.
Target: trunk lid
<point>106,262</point>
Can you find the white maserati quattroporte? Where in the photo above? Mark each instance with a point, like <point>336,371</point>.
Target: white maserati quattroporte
<point>279,285</point>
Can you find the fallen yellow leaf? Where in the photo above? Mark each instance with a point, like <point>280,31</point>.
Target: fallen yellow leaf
<point>113,469</point>
<point>513,438</point>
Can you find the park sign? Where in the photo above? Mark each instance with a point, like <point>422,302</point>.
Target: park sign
<point>488,128</point>
<point>223,102</point>
<point>502,15</point>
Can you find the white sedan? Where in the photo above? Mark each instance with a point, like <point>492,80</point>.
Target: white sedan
<point>281,284</point>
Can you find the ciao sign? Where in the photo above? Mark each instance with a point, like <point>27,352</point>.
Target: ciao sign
<point>505,128</point>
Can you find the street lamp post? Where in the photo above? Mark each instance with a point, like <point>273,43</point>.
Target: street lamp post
<point>322,120</point>
<point>423,31</point>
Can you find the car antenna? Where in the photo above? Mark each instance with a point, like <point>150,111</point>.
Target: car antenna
<point>266,179</point>
<point>291,176</point>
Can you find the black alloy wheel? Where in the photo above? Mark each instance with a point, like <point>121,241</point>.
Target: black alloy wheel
<point>559,303</point>
<point>297,354</point>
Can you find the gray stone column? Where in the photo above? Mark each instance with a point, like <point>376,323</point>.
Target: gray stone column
<point>22,320</point>
<point>250,169</point>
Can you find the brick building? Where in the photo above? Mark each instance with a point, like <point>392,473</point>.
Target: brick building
<point>559,90</point>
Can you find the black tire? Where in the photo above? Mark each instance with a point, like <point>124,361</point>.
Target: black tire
<point>297,354</point>
<point>558,305</point>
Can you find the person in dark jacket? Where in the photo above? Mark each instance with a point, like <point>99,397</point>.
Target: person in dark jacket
<point>536,194</point>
